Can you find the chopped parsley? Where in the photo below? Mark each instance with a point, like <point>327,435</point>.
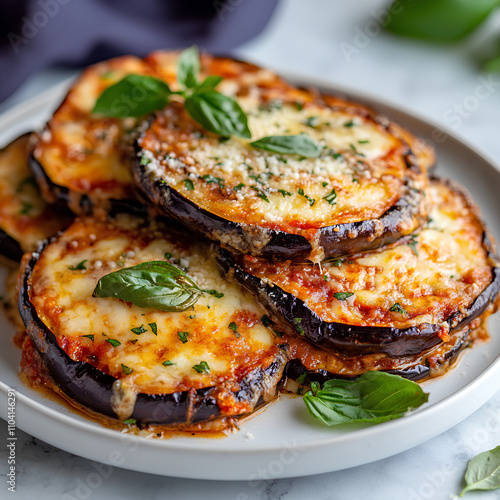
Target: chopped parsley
<point>260,194</point>
<point>90,336</point>
<point>234,327</point>
<point>209,179</point>
<point>138,330</point>
<point>145,161</point>
<point>154,328</point>
<point>398,308</point>
<point>126,369</point>
<point>168,363</point>
<point>130,421</point>
<point>413,244</point>
<point>297,322</point>
<point>331,197</point>
<point>284,193</point>
<point>337,263</point>
<point>202,367</point>
<point>324,184</point>
<point>215,293</point>
<point>353,147</point>
<point>114,342</point>
<point>239,186</point>
<point>183,336</point>
<point>312,121</point>
<point>326,277</point>
<point>79,267</point>
<point>299,105</point>
<point>189,184</point>
<point>348,124</point>
<point>366,141</point>
<point>343,295</point>
<point>308,198</point>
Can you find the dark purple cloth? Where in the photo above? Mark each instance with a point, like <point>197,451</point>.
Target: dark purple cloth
<point>36,34</point>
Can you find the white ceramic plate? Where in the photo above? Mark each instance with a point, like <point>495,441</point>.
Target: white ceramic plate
<point>283,440</point>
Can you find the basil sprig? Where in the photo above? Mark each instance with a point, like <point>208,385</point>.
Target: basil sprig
<point>156,284</point>
<point>300,144</point>
<point>483,472</point>
<point>374,397</point>
<point>137,95</point>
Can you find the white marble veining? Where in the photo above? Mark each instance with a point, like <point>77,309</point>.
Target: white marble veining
<point>441,83</point>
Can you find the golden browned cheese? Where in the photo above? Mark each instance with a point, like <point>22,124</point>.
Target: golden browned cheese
<point>139,339</point>
<point>24,216</point>
<point>437,273</point>
<point>89,154</point>
<point>360,174</point>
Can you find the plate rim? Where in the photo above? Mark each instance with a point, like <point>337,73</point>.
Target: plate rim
<point>52,96</point>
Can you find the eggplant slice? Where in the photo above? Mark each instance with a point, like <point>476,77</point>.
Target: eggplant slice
<point>363,191</point>
<point>25,219</point>
<point>130,362</point>
<point>309,363</point>
<point>84,159</point>
<point>400,300</point>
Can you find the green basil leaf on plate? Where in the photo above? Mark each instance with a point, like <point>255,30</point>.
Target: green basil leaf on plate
<point>188,68</point>
<point>209,83</point>
<point>374,397</point>
<point>156,284</point>
<point>483,472</point>
<point>438,20</point>
<point>218,113</point>
<point>134,95</point>
<point>300,144</point>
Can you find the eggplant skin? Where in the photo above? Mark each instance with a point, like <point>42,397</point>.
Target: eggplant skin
<point>336,240</point>
<point>93,388</point>
<point>9,247</point>
<point>351,340</point>
<point>78,203</point>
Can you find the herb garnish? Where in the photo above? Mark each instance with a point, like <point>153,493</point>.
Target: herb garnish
<point>343,295</point>
<point>234,327</point>
<point>137,95</point>
<point>189,184</point>
<point>154,328</point>
<point>300,144</point>
<point>398,308</point>
<point>202,367</point>
<point>89,336</point>
<point>239,186</point>
<point>297,322</point>
<point>284,193</point>
<point>308,198</point>
<point>374,397</point>
<point>413,244</point>
<point>130,421</point>
<point>215,293</point>
<point>168,363</point>
<point>138,330</point>
<point>114,342</point>
<point>331,197</point>
<point>183,336</point>
<point>126,369</point>
<point>483,472</point>
<point>79,267</point>
<point>155,284</point>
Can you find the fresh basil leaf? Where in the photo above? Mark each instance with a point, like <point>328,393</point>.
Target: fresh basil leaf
<point>209,83</point>
<point>300,144</point>
<point>374,397</point>
<point>218,113</point>
<point>493,65</point>
<point>483,472</point>
<point>188,68</point>
<point>438,20</point>
<point>134,95</point>
<point>156,284</point>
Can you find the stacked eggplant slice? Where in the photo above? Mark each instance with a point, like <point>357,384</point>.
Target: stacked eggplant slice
<point>236,233</point>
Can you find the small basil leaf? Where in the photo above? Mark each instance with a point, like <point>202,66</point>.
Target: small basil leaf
<point>300,144</point>
<point>134,95</point>
<point>438,20</point>
<point>209,83</point>
<point>493,65</point>
<point>188,68</point>
<point>483,471</point>
<point>218,113</point>
<point>156,284</point>
<point>374,397</point>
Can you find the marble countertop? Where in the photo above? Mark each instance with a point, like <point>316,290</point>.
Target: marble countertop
<point>341,42</point>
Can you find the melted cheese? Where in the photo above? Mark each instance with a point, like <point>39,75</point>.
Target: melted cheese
<point>361,161</point>
<point>451,270</point>
<point>91,155</point>
<point>63,300</point>
<point>23,214</point>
